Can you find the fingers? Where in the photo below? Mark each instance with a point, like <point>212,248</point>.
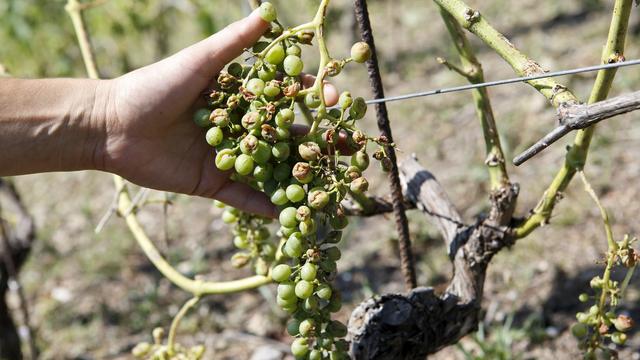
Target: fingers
<point>214,52</point>
<point>330,91</point>
<point>245,198</point>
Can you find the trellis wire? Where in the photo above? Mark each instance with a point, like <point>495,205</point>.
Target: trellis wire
<point>503,82</point>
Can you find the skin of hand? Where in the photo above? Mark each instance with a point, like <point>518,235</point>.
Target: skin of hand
<point>139,125</point>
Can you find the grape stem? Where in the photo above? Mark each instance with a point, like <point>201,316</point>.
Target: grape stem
<point>171,340</point>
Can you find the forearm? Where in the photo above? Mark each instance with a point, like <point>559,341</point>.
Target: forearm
<point>50,125</point>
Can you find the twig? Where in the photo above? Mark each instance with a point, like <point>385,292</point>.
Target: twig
<point>580,117</point>
<point>113,208</point>
<point>406,255</point>
<point>577,154</point>
<point>171,340</point>
<point>12,269</point>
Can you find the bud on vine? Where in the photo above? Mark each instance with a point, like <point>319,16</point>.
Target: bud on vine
<point>333,68</point>
<point>302,172</point>
<point>220,117</point>
<point>306,37</point>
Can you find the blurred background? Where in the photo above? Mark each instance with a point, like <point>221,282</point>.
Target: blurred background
<point>94,296</point>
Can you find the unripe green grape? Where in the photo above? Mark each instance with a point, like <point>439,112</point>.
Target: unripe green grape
<point>324,292</point>
<point>308,271</point>
<point>288,216</point>
<point>263,172</point>
<point>201,117</point>
<point>333,253</point>
<point>358,108</point>
<point>359,185</point>
<point>310,305</point>
<point>360,52</point>
<point>275,55</point>
<point>225,159</point>
<point>303,213</point>
<point>622,322</point>
<point>302,172</point>
<point>256,105</point>
<point>282,133</point>
<point>261,267</point>
<point>304,289</point>
<point>244,164</point>
<point>229,217</point>
<point>306,327</point>
<point>267,73</point>
<point>583,297</point>
<point>318,198</point>
<point>141,349</point>
<point>268,251</point>
<point>248,144</point>
<point>255,86</point>
<point>295,193</point>
<point>286,291</point>
<point>293,247</point>
<point>290,309</point>
<point>312,100</point>
<point>286,302</point>
<point>294,50</point>
<point>582,317</point>
<point>220,117</point>
<point>345,100</point>
<point>280,151</point>
<point>300,347</point>
<point>271,91</point>
<point>281,272</point>
<point>267,12</point>
<point>214,136</point>
<point>287,231</point>
<point>309,151</point>
<point>262,152</point>
<point>360,160</point>
<point>219,204</point>
<point>281,172</point>
<point>315,355</point>
<point>251,120</point>
<point>240,241</point>
<point>307,227</point>
<point>352,173</point>
<point>285,117</point>
<point>293,327</point>
<point>293,65</point>
<point>594,310</point>
<point>279,197</point>
<point>619,338</point>
<point>579,330</point>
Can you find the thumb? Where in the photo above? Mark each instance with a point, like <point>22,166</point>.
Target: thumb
<point>213,53</point>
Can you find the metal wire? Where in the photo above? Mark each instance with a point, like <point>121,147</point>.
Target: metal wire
<point>503,82</point>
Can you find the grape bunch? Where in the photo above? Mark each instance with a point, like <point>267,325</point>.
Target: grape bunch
<point>250,120</point>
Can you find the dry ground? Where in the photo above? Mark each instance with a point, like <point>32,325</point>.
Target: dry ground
<point>94,296</point>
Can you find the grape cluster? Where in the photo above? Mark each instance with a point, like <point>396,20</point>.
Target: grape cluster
<point>250,121</point>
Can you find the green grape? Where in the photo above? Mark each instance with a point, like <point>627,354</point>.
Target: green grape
<point>285,117</point>
<point>300,347</point>
<point>312,100</point>
<point>315,355</point>
<point>308,271</point>
<point>309,151</point>
<point>214,136</point>
<point>240,242</point>
<point>286,302</point>
<point>359,185</point>
<point>286,290</point>
<point>225,159</point>
<point>306,327</point>
<point>267,73</point>
<point>360,160</point>
<point>288,217</point>
<point>283,133</point>
<point>271,91</point>
<point>360,52</point>
<point>275,55</point>
<point>318,198</point>
<point>201,117</point>
<point>281,272</point>
<point>263,172</point>
<point>307,227</point>
<point>280,151</point>
<point>262,153</point>
<point>279,197</point>
<point>302,172</point>
<point>251,120</point>
<point>311,304</point>
<point>295,193</point>
<point>294,50</point>
<point>304,289</point>
<point>303,213</point>
<point>345,100</point>
<point>293,246</point>
<point>229,217</point>
<point>244,164</point>
<point>293,65</point>
<point>324,292</point>
<point>255,86</point>
<point>267,12</point>
<point>220,117</point>
<point>287,231</point>
<point>219,204</point>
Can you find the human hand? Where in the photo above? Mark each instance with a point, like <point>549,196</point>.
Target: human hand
<point>150,138</point>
